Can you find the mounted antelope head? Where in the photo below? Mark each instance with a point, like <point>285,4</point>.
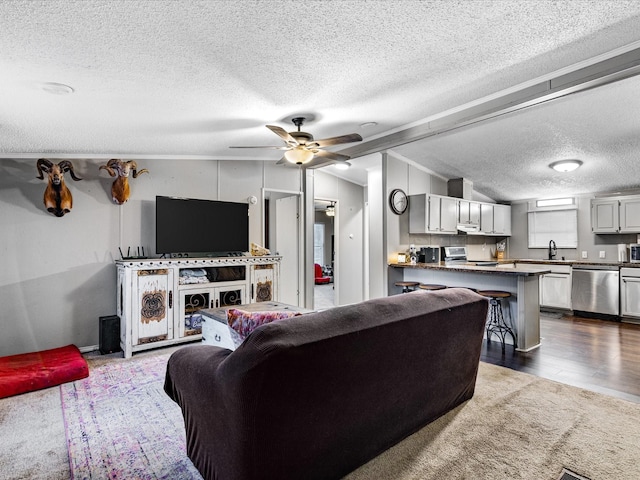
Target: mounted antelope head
<point>57,197</point>
<point>120,169</point>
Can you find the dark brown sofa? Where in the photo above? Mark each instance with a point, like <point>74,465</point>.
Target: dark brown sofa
<point>316,396</point>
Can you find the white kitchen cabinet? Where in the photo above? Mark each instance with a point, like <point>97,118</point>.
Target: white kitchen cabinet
<point>468,212</point>
<point>486,218</point>
<point>448,214</point>
<point>605,215</point>
<point>630,294</point>
<point>630,215</point>
<point>555,287</point>
<point>495,219</point>
<point>501,219</point>
<point>433,214</point>
<point>616,214</point>
<point>158,300</point>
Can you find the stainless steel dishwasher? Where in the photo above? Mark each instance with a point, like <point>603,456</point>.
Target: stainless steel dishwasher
<point>595,290</point>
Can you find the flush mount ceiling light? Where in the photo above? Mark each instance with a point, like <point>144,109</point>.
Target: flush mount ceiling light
<point>342,165</point>
<point>565,165</point>
<point>57,88</point>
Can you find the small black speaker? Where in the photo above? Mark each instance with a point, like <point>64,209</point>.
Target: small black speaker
<point>109,336</point>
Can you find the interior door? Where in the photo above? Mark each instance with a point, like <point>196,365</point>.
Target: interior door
<point>287,238</point>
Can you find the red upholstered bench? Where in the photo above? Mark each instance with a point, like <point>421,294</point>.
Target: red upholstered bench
<point>27,372</point>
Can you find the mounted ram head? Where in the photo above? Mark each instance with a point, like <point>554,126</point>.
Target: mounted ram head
<point>120,169</point>
<point>57,197</point>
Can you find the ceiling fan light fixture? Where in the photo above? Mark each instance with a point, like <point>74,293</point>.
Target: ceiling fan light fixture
<point>330,210</point>
<point>299,155</point>
<point>565,165</point>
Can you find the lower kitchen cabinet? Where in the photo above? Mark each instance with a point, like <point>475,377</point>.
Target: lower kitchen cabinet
<point>555,287</point>
<point>630,294</point>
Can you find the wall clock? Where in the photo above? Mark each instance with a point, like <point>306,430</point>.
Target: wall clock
<point>398,201</point>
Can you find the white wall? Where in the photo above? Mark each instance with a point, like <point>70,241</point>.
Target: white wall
<point>377,242</point>
<point>58,274</point>
<point>349,234</point>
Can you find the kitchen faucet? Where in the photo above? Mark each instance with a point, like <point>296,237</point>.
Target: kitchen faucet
<point>552,250</point>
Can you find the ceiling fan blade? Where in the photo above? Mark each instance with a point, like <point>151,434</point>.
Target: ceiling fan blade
<point>319,162</point>
<point>282,133</point>
<point>270,146</point>
<point>327,142</point>
<point>338,157</point>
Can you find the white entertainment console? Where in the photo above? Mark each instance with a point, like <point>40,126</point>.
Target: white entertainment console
<point>158,299</point>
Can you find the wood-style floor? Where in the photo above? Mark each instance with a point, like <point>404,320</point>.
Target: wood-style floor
<point>597,355</point>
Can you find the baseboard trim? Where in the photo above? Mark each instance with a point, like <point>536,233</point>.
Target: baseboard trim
<point>89,348</point>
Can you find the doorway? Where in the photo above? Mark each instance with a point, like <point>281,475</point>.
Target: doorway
<point>324,253</point>
<point>282,236</point>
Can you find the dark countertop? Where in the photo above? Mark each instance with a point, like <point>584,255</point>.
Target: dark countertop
<point>569,262</point>
<point>469,267</point>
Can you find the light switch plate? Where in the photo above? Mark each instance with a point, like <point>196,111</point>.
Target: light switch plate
<point>602,254</point>
<point>584,254</point>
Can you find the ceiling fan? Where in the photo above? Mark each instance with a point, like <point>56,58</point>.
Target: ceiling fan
<point>302,149</point>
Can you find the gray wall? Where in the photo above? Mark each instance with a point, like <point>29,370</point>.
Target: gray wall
<point>587,241</point>
<point>59,274</point>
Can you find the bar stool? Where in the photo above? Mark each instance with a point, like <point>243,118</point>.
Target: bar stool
<point>496,323</point>
<point>431,286</point>
<point>407,286</point>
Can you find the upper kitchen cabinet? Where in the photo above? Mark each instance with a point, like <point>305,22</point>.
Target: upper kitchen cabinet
<point>605,216</point>
<point>630,215</point>
<point>615,215</point>
<point>502,220</point>
<point>468,212</point>
<point>446,215</point>
<point>495,219</point>
<point>433,214</point>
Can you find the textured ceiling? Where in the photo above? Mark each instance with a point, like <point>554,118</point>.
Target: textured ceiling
<point>188,79</point>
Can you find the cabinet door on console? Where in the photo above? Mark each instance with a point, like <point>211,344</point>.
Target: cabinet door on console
<point>262,283</point>
<point>153,306</point>
<point>228,296</point>
<point>191,301</point>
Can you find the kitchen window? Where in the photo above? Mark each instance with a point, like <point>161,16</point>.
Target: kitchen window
<point>557,224</point>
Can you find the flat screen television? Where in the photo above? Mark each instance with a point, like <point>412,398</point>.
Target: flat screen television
<point>190,226</point>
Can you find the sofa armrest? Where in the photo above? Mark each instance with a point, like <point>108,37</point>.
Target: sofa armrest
<point>187,368</point>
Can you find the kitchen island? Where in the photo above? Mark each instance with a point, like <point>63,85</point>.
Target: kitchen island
<point>519,280</point>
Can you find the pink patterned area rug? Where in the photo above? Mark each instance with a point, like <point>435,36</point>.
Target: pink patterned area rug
<point>120,424</point>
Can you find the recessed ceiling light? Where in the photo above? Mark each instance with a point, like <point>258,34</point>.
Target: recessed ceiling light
<point>368,124</point>
<point>565,165</point>
<point>57,88</point>
<point>342,165</point>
